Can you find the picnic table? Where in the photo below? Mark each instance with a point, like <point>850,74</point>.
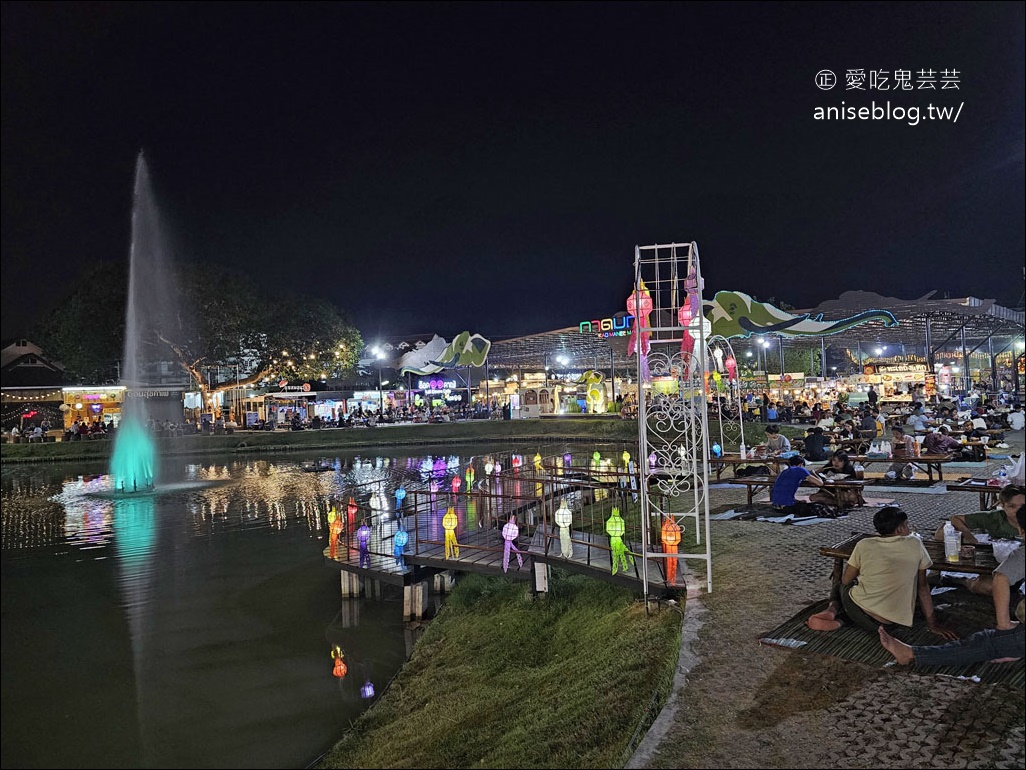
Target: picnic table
<point>983,563</point>
<point>733,460</point>
<point>756,484</point>
<point>926,462</point>
<point>988,492</point>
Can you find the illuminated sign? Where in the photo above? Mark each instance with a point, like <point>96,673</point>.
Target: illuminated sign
<point>895,369</point>
<point>608,327</point>
<point>436,385</point>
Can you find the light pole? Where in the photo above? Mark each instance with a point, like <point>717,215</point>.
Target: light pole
<point>379,354</point>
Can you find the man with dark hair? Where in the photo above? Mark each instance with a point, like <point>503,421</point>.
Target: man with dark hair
<point>901,446</point>
<point>999,524</point>
<point>787,483</point>
<point>882,579</point>
<point>999,645</point>
<point>815,446</point>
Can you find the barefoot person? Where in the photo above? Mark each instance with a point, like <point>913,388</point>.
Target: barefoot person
<point>891,572</point>
<point>999,645</point>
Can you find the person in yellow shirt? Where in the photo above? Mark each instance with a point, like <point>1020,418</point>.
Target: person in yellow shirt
<point>883,577</point>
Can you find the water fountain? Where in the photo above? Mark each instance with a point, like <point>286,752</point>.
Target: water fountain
<point>151,305</point>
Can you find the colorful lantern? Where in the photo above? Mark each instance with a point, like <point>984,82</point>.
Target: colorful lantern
<point>653,460</point>
<point>564,520</point>
<point>456,483</point>
<point>671,539</point>
<point>639,305</point>
<point>510,533</point>
<point>351,510</point>
<point>449,522</point>
<point>334,531</point>
<point>568,459</point>
<point>516,461</point>
<point>340,669</point>
<point>399,541</point>
<point>731,364</point>
<point>367,691</point>
<point>400,495</point>
<point>538,462</point>
<point>469,476</point>
<point>363,535</point>
<point>616,528</point>
<point>433,487</point>
<point>489,467</point>
<point>498,467</point>
<point>626,457</point>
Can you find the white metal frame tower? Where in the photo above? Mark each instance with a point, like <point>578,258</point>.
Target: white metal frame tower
<point>673,421</point>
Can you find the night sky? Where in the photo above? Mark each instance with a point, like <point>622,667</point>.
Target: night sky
<point>490,167</point>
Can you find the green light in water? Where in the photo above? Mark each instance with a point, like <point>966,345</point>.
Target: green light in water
<point>133,464</point>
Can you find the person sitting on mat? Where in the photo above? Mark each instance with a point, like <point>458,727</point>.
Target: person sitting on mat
<point>881,581</point>
<point>787,483</point>
<point>840,465</point>
<point>997,645</point>
<point>1000,524</point>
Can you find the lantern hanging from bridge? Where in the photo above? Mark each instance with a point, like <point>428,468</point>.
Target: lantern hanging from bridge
<point>510,533</point>
<point>564,520</point>
<point>449,523</point>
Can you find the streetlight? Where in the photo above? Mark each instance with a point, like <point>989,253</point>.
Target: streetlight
<point>380,355</point>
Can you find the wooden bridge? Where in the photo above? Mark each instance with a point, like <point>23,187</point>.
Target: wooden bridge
<point>527,495</point>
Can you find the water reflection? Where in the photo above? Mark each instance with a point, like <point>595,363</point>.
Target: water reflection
<point>192,628</point>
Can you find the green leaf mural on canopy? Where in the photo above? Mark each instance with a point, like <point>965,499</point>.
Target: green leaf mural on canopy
<point>735,314</point>
<point>464,350</point>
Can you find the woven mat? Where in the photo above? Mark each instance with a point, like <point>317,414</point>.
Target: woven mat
<point>967,613</point>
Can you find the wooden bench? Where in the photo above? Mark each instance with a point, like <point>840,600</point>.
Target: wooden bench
<point>756,484</point>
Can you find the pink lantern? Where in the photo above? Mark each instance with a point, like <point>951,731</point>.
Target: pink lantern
<point>731,364</point>
<point>456,483</point>
<point>639,305</point>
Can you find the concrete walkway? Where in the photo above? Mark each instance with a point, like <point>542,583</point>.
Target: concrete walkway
<point>740,704</point>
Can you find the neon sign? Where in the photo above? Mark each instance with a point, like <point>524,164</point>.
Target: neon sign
<point>436,385</point>
<point>608,327</point>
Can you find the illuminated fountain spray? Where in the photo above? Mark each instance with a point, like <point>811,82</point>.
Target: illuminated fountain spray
<point>150,306</point>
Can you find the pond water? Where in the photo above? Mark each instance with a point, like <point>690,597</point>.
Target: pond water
<point>189,628</point>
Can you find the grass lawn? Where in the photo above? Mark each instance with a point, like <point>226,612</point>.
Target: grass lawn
<point>501,679</point>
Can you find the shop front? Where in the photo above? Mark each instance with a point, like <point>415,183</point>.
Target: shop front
<point>88,405</point>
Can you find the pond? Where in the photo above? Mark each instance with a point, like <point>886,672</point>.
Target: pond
<point>189,628</point>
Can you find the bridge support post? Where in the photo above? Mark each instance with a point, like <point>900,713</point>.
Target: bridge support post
<point>541,578</point>
<point>443,582</point>
<point>350,584</point>
<point>372,589</point>
<point>415,598</point>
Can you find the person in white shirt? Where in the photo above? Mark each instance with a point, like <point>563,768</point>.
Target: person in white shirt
<point>1016,419</point>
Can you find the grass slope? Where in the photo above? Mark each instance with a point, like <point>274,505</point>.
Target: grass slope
<point>501,679</point>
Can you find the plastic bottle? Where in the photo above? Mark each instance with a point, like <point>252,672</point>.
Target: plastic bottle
<point>742,450</point>
<point>952,542</point>
<point>1003,477</point>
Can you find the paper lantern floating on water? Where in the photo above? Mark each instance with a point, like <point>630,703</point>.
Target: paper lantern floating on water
<point>340,669</point>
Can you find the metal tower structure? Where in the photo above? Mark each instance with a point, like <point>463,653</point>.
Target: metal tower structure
<point>670,337</point>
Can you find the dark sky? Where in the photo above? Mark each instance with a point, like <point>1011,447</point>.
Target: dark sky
<point>490,167</point>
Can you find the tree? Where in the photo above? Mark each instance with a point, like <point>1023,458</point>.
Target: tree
<point>224,323</point>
